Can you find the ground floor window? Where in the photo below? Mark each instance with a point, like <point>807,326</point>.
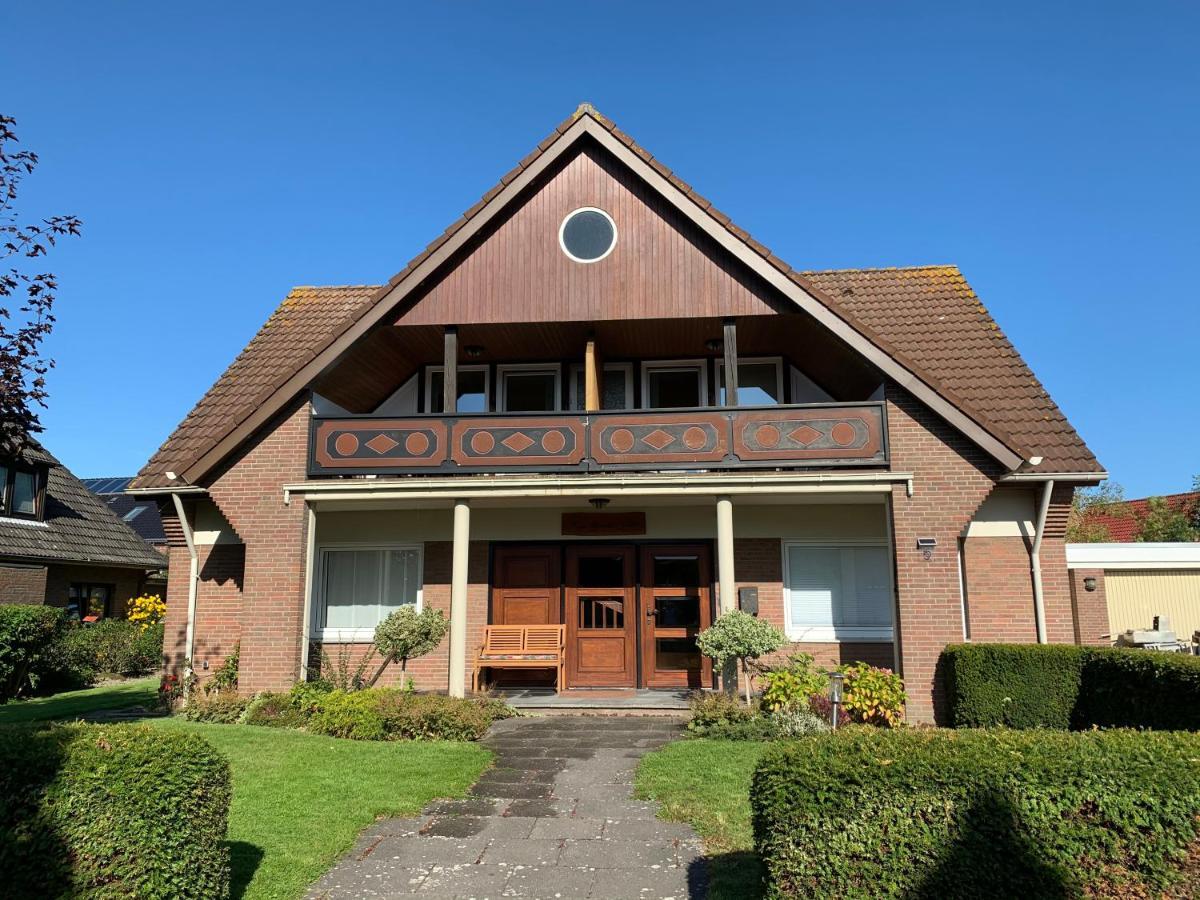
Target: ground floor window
<point>89,600</point>
<point>359,586</point>
<point>837,591</point>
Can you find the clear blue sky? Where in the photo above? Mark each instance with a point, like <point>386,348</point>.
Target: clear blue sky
<point>219,154</point>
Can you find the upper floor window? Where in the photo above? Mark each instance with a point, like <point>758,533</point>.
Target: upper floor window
<point>20,493</point>
<point>616,391</point>
<point>529,388</point>
<point>472,389</point>
<point>759,382</point>
<point>674,384</point>
<point>587,235</point>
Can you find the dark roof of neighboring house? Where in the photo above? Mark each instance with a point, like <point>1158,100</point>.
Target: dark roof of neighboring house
<point>138,513</point>
<point>78,528</point>
<point>928,319</point>
<point>1125,518</point>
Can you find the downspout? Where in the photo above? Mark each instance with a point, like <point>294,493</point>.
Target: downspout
<point>1035,562</point>
<point>193,579</point>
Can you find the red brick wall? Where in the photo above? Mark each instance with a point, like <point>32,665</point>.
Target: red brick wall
<point>952,478</point>
<point>1090,607</point>
<point>22,584</point>
<point>999,587</point>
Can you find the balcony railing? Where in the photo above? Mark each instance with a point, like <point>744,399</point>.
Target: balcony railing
<point>825,434</point>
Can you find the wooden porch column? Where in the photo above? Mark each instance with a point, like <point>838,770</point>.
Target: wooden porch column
<point>450,370</point>
<point>731,356</point>
<point>593,377</point>
<point>726,581</point>
<point>458,598</point>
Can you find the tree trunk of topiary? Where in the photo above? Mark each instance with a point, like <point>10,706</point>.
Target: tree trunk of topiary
<point>746,675</point>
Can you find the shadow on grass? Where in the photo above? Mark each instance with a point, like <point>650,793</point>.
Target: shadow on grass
<point>727,876</point>
<point>244,860</point>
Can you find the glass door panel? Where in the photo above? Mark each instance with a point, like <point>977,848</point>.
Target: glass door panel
<point>676,605</point>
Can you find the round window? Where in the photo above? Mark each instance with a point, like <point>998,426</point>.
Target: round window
<point>588,235</point>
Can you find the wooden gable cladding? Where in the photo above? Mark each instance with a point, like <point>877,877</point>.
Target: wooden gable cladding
<point>662,266</point>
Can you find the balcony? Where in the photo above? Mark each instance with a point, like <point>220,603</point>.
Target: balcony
<point>796,436</point>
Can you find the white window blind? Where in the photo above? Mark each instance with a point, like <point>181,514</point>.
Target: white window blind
<point>838,592</point>
<point>360,586</point>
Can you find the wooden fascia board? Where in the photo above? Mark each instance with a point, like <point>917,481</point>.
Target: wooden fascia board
<point>392,294</point>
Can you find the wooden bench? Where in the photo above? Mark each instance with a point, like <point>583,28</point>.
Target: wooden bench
<point>522,647</point>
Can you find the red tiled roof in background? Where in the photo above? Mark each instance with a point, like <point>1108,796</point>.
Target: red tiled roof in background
<point>1126,517</point>
<point>928,318</point>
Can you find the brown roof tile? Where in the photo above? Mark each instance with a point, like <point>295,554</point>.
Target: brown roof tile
<point>929,319</point>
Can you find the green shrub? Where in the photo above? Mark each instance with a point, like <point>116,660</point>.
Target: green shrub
<point>933,813</point>
<point>225,679</point>
<point>1062,686</point>
<point>1139,689</point>
<point>395,714</point>
<point>793,684</point>
<point>794,723</point>
<point>740,637</point>
<point>112,811</point>
<point>223,709</point>
<point>26,634</point>
<point>275,711</point>
<point>872,696</point>
<point>717,712</point>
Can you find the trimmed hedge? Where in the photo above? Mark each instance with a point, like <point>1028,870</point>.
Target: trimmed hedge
<point>1063,686</point>
<point>112,811</point>
<point>389,714</point>
<point>937,813</point>
<point>82,653</point>
<point>26,634</point>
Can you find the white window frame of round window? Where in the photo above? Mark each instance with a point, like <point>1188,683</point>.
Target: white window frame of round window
<point>563,227</point>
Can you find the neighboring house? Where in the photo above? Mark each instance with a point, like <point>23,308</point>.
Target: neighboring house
<point>534,421</point>
<point>1138,581</point>
<point>138,513</point>
<point>61,545</point>
<point>1123,519</point>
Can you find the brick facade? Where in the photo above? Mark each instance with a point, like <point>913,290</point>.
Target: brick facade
<point>254,592</point>
<point>1090,608</point>
<point>22,584</point>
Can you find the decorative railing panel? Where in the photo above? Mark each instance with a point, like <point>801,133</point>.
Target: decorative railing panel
<point>853,434</point>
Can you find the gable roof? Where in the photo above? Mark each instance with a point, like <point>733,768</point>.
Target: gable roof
<point>1124,518</point>
<point>314,325</point>
<point>138,513</point>
<point>78,528</point>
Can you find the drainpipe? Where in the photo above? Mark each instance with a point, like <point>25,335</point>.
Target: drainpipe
<point>193,579</point>
<point>1035,562</point>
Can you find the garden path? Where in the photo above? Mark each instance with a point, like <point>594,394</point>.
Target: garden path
<point>554,818</point>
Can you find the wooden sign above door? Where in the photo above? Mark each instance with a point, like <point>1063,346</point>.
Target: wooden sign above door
<point>603,524</point>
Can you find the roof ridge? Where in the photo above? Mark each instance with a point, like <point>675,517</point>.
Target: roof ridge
<point>334,287</point>
<point>918,268</point>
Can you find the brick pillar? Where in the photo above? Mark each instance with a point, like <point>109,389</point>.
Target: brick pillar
<point>1090,608</point>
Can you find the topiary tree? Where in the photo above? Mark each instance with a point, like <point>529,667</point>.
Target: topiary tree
<point>738,637</point>
<point>407,634</point>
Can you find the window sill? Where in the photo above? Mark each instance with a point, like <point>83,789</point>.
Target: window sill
<point>824,634</point>
<point>345,635</point>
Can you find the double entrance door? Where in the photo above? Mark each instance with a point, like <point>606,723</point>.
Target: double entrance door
<point>632,611</point>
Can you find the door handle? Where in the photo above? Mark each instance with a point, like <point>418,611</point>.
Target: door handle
<point>651,613</point>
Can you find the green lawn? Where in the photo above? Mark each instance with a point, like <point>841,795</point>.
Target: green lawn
<point>707,784</point>
<point>299,800</point>
<point>72,704</point>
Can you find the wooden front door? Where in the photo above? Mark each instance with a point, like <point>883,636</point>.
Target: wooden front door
<point>600,613</point>
<point>675,605</point>
<point>526,584</point>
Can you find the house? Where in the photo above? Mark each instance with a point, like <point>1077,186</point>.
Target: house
<point>595,401</point>
<point>61,545</point>
<point>1123,520</point>
<point>138,513</point>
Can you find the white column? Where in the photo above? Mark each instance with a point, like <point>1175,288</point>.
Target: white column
<point>726,581</point>
<point>458,598</point>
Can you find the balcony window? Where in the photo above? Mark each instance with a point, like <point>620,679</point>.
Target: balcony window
<point>837,592</point>
<point>360,586</point>
<point>674,384</point>
<point>529,388</point>
<point>760,382</point>
<point>616,391</point>
<point>472,389</point>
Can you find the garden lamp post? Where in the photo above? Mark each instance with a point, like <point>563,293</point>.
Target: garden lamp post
<point>835,696</point>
